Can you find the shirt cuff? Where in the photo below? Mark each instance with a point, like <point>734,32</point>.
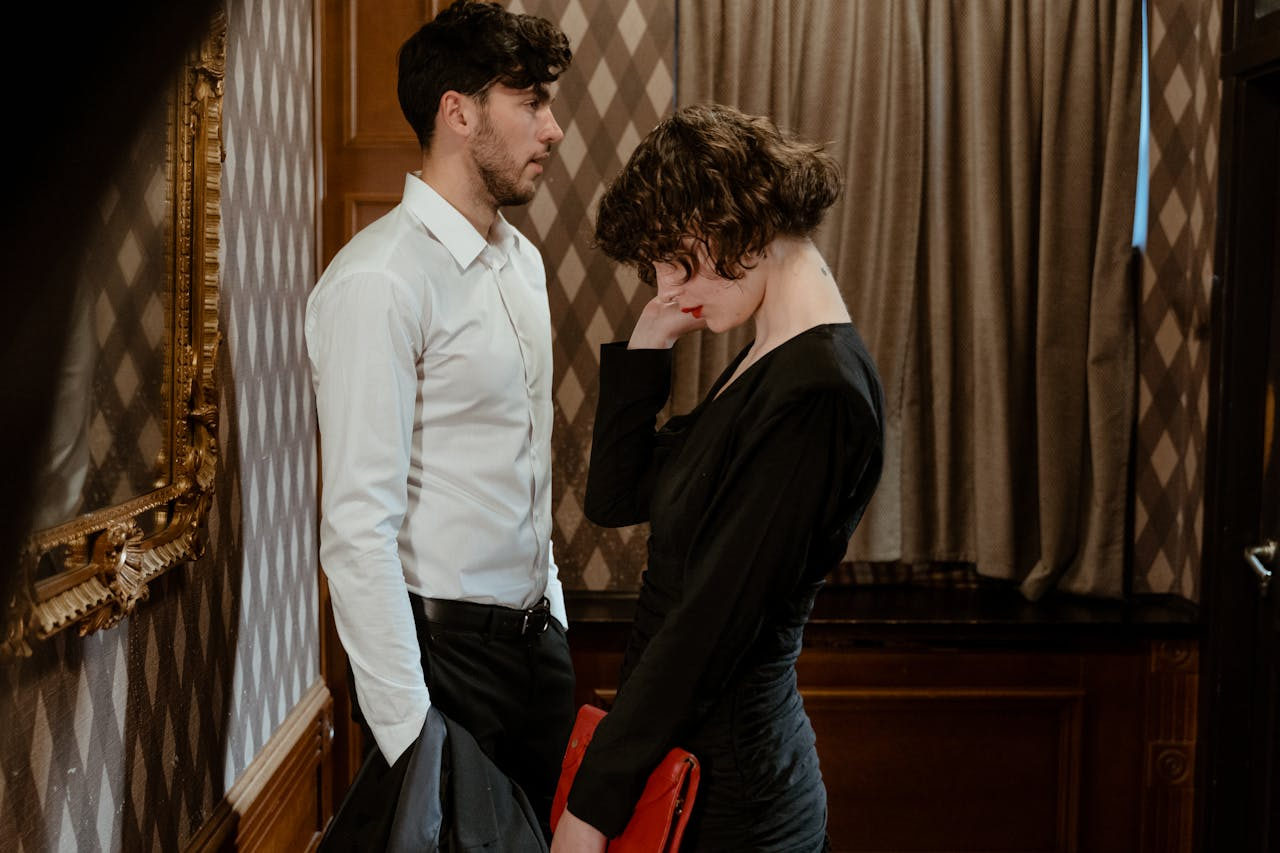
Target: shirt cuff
<point>555,598</point>
<point>394,738</point>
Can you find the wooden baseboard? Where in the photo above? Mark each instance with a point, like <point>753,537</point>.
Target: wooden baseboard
<point>281,801</point>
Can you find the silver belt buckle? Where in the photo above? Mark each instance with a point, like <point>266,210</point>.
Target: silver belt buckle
<point>536,619</point>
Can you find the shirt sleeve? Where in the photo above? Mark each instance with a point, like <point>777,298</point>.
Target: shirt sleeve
<point>785,491</point>
<point>364,337</point>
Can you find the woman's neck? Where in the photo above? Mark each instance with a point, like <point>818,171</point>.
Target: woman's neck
<point>799,293</point>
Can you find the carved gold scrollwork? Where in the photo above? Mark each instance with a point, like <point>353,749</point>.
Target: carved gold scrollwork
<point>95,570</point>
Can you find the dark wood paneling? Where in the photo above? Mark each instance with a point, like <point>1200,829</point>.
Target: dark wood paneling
<point>281,801</point>
<point>991,769</point>
<point>1016,738</point>
<point>1169,772</point>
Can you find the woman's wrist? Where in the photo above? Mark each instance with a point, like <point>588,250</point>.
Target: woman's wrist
<point>640,340</point>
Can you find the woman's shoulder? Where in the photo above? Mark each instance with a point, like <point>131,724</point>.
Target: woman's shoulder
<point>830,359</point>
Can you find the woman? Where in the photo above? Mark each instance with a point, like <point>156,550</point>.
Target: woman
<point>751,497</point>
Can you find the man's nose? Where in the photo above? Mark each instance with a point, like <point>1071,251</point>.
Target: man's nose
<point>551,132</point>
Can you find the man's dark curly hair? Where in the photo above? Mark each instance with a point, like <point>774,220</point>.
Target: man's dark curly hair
<point>715,176</point>
<point>467,48</point>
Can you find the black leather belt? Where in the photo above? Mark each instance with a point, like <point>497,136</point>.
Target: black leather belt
<point>491,619</point>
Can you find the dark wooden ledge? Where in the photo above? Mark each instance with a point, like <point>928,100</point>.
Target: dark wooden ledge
<point>954,614</point>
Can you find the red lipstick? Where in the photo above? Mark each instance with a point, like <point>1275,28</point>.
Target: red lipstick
<point>696,311</point>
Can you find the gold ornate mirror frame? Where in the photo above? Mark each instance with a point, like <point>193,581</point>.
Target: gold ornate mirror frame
<point>106,559</point>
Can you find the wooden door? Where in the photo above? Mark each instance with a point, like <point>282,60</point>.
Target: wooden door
<point>1241,692</point>
<point>1263,559</point>
<point>366,147</point>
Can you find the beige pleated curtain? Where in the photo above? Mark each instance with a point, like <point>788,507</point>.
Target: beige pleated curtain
<point>990,156</point>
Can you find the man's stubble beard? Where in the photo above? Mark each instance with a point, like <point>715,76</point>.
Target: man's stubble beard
<point>498,170</point>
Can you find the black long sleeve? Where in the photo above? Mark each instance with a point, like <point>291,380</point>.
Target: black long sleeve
<point>634,386</point>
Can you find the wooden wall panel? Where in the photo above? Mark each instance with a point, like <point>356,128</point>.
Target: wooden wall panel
<point>1169,769</point>
<point>366,144</point>
<point>281,802</point>
<point>364,208</point>
<point>992,769</point>
<point>1013,744</point>
<point>375,30</point>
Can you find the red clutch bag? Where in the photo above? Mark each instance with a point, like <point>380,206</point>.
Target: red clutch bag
<point>663,810</point>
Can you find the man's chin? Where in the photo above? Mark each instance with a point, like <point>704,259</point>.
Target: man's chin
<point>517,198</point>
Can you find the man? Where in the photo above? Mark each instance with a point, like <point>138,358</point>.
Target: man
<point>430,344</point>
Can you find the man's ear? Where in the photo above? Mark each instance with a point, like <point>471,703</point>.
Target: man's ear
<point>458,113</point>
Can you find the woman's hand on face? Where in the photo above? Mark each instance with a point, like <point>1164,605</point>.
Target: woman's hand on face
<point>661,324</point>
<point>574,835</point>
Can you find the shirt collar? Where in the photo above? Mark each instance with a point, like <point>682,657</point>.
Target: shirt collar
<point>452,229</point>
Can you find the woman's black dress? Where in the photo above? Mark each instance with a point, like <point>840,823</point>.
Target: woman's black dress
<point>751,500</point>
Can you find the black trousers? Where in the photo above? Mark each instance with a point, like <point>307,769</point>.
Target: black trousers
<point>514,695</point>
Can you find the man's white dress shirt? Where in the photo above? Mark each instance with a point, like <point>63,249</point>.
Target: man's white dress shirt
<point>430,351</point>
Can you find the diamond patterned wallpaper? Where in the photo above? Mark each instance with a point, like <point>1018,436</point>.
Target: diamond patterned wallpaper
<point>1177,277</point>
<point>268,215</point>
<point>126,739</point>
<point>621,84</point>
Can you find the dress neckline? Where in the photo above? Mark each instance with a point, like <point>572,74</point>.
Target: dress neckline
<point>722,384</point>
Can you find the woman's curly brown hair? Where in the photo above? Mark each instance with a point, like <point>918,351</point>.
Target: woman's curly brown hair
<point>715,176</point>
